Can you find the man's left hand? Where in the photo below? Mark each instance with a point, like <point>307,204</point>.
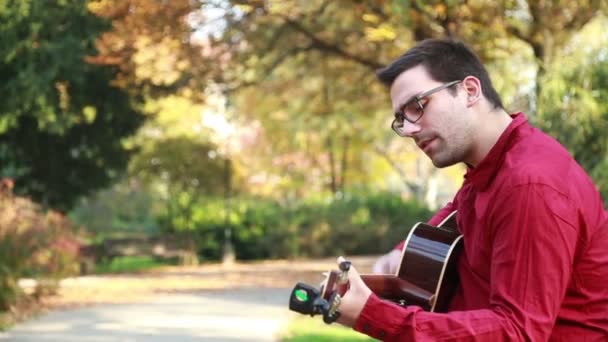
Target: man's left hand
<point>354,299</point>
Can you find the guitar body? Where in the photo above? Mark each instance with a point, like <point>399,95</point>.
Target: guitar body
<point>428,274</point>
<point>430,261</point>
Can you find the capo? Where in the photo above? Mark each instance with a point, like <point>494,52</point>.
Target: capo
<point>307,300</point>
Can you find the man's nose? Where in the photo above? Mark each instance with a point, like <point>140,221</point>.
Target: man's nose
<point>410,129</point>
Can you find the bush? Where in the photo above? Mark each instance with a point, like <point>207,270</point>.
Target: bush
<point>264,228</point>
<point>355,225</point>
<point>32,243</point>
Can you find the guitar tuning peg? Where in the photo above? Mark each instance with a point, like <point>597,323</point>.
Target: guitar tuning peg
<point>345,266</point>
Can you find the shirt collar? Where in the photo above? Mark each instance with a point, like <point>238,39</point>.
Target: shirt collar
<point>482,175</point>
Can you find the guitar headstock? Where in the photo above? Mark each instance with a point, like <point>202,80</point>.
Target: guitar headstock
<point>325,301</point>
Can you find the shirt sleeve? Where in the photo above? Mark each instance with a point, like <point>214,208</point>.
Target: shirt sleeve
<point>435,220</point>
<point>533,236</point>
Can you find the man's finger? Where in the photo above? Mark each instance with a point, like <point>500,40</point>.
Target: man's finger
<point>353,275</point>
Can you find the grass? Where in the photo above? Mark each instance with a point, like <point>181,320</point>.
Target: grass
<point>129,264</point>
<point>312,329</point>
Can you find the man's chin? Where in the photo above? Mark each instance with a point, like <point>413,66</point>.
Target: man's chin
<point>440,163</point>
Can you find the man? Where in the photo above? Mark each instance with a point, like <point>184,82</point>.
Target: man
<point>535,231</point>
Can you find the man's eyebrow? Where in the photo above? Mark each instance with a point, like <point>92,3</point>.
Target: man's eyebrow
<point>409,99</point>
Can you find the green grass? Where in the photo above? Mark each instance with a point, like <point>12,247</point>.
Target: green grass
<point>130,264</point>
<point>312,329</point>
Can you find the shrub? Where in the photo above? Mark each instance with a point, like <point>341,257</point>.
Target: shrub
<point>264,228</point>
<point>32,243</point>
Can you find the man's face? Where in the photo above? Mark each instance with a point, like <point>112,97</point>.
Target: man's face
<point>445,132</point>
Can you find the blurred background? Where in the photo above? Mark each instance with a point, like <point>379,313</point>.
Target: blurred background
<point>135,133</point>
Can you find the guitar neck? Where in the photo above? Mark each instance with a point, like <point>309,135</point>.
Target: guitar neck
<point>393,288</point>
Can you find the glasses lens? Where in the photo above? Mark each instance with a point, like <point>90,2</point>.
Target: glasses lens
<point>413,110</point>
<point>397,126</point>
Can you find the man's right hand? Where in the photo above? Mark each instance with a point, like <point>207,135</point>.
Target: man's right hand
<point>388,263</point>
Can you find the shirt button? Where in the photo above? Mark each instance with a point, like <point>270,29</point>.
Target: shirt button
<point>382,334</point>
<point>366,327</point>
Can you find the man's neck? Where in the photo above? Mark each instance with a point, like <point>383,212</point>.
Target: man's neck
<point>491,126</point>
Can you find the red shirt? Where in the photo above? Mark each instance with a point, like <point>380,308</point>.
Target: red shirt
<point>535,260</point>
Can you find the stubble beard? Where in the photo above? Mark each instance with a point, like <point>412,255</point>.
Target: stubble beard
<point>445,155</point>
<point>452,148</point>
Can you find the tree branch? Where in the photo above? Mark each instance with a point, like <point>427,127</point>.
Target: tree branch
<point>321,45</point>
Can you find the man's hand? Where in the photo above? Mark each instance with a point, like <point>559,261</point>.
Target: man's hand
<point>354,299</point>
<point>388,263</point>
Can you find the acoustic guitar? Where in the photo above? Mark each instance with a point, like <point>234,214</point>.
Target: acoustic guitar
<point>427,275</point>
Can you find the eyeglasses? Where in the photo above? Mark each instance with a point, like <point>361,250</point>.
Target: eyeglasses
<point>413,109</point>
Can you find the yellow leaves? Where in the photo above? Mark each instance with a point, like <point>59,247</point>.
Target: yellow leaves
<point>377,32</point>
<point>97,6</point>
<point>245,8</point>
<point>64,96</point>
<point>175,116</point>
<point>384,32</point>
<point>280,7</point>
<point>370,18</point>
<point>300,138</point>
<point>89,113</point>
<point>157,61</point>
<point>150,41</point>
<point>441,10</point>
<point>465,11</point>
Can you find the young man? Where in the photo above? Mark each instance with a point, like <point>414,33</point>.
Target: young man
<point>535,231</point>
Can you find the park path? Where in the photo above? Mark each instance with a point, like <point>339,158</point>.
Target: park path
<point>245,302</point>
<point>216,316</point>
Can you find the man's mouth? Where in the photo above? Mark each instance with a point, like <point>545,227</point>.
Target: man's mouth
<point>424,143</point>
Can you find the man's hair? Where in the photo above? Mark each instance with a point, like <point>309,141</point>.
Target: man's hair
<point>446,61</point>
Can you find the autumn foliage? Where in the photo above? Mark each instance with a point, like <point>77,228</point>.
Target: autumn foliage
<point>33,242</point>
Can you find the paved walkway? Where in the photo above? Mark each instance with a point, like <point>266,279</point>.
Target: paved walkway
<point>211,303</point>
<point>210,316</point>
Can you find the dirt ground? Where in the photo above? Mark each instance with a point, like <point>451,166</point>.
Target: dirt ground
<point>127,288</point>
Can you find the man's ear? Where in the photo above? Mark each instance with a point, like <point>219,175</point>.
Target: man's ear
<point>472,87</point>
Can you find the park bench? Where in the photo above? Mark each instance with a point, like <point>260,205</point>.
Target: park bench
<point>163,247</point>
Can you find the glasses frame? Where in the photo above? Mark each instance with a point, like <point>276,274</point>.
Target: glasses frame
<point>400,116</point>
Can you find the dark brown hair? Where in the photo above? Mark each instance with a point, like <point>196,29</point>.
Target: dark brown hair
<point>445,60</point>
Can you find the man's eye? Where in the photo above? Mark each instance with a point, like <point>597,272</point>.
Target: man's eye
<point>423,102</point>
<point>411,107</point>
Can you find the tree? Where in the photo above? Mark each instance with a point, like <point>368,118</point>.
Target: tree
<point>154,46</point>
<point>180,165</point>
<point>61,121</point>
<point>317,59</point>
<point>574,102</point>
<point>288,49</point>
